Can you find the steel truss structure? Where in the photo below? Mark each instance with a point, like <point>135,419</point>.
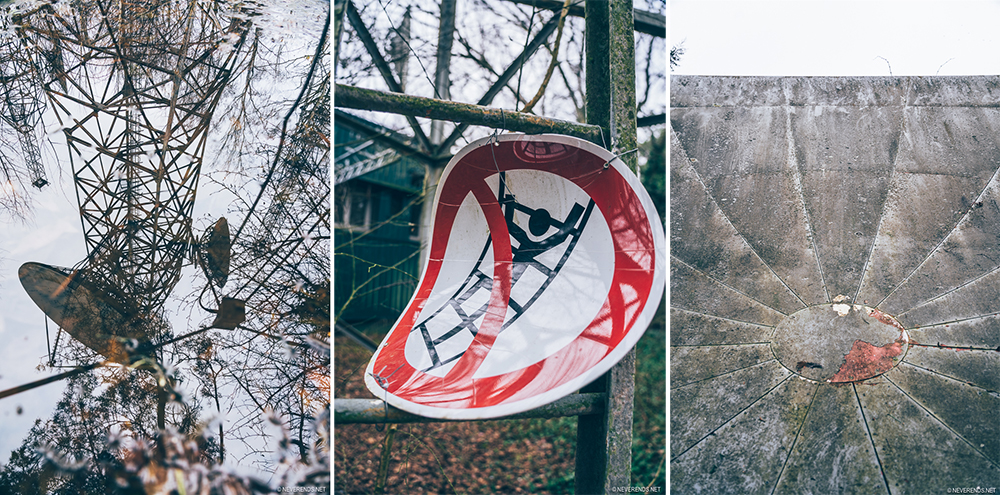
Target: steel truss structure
<point>23,104</point>
<point>134,86</point>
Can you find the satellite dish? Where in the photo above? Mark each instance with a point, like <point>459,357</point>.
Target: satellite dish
<point>216,252</point>
<point>87,313</point>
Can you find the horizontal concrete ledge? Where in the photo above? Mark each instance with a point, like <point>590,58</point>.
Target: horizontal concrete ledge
<point>418,106</point>
<point>374,411</point>
<point>758,91</point>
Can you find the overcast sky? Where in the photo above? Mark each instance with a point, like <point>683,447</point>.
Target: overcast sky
<point>836,37</point>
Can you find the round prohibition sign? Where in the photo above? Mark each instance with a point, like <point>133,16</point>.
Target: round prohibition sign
<point>546,264</point>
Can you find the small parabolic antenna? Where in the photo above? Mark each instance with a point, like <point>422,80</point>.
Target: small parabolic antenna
<point>87,313</point>
<point>215,252</point>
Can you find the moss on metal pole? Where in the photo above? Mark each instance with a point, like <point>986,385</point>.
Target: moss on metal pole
<point>382,101</point>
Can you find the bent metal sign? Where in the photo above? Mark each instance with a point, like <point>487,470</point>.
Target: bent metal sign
<point>546,264</point>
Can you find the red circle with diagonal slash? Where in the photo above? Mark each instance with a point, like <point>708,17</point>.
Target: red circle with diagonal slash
<point>637,284</point>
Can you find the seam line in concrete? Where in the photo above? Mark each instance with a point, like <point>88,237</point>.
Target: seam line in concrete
<point>730,420</point>
<point>946,426</point>
<point>868,430</point>
<point>951,347</point>
<point>950,291</point>
<point>959,320</point>
<point>725,345</point>
<point>724,374</point>
<point>793,162</point>
<point>791,449</point>
<point>730,222</point>
<point>723,318</point>
<point>954,229</point>
<point>881,216</point>
<point>713,279</point>
<point>942,375</point>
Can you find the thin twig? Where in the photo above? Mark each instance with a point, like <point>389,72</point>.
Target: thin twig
<point>552,64</point>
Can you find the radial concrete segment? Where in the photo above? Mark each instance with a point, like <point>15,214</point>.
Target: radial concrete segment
<point>692,364</point>
<point>835,284</point>
<point>748,452</point>
<point>713,330</point>
<point>743,157</point>
<point>726,395</point>
<point>702,236</point>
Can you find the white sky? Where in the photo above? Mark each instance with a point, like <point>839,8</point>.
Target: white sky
<point>836,37</point>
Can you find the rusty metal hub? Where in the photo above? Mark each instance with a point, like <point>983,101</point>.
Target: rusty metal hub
<point>839,342</point>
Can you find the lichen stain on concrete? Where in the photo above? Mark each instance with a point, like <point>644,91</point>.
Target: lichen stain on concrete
<point>865,361</point>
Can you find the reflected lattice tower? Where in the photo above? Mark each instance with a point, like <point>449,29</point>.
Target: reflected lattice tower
<point>23,104</point>
<point>134,86</point>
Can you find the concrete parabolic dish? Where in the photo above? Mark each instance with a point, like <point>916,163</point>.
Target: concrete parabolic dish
<point>835,284</point>
<point>546,264</point>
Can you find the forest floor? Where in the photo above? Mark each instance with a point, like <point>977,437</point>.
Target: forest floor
<point>501,456</point>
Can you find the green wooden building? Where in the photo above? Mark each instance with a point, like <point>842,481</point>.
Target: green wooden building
<point>377,202</point>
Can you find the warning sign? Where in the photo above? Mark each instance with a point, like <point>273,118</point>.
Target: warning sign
<point>545,266</point>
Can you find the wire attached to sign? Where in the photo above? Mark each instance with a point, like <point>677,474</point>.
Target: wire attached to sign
<point>618,156</point>
<point>494,140</point>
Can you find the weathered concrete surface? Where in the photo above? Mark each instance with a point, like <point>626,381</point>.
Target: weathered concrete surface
<point>791,193</point>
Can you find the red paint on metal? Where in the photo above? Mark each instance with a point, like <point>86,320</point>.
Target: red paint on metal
<point>865,361</point>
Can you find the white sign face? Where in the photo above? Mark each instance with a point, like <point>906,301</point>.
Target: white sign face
<point>546,266</point>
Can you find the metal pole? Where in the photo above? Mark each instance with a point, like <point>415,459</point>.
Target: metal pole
<point>442,74</point>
